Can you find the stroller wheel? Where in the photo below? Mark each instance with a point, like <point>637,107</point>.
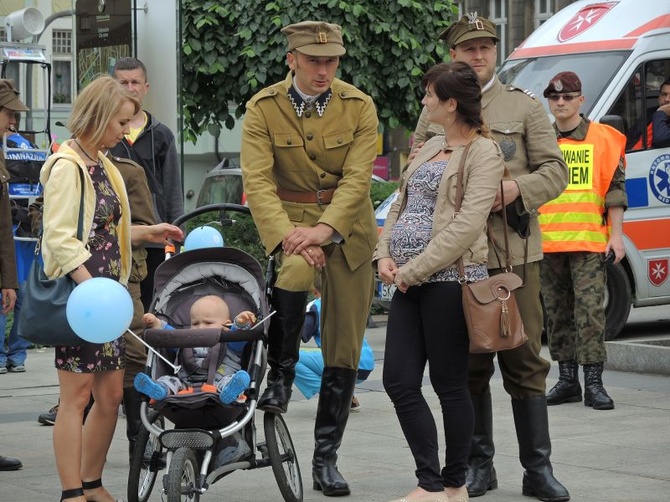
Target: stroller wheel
<point>182,477</point>
<point>148,459</point>
<point>283,458</point>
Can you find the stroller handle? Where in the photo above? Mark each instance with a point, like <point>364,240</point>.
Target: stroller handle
<point>222,207</point>
<point>175,338</point>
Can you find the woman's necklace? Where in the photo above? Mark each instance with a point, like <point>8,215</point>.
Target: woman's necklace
<point>89,157</point>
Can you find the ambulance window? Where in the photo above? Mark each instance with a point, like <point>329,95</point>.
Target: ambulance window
<point>637,104</point>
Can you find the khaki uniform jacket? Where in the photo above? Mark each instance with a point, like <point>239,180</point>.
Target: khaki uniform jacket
<point>452,236</point>
<point>61,250</point>
<point>141,209</point>
<point>521,126</point>
<point>8,275</point>
<point>307,154</point>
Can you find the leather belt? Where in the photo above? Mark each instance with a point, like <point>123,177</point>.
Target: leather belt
<point>318,197</point>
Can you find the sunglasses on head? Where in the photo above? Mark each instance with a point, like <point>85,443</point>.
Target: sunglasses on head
<point>566,97</point>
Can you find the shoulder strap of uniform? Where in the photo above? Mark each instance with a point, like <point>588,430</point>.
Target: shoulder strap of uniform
<point>512,88</point>
<point>123,160</point>
<point>267,92</point>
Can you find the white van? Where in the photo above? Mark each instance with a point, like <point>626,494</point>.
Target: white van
<point>621,52</point>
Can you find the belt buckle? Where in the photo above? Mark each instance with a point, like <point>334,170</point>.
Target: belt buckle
<point>319,193</point>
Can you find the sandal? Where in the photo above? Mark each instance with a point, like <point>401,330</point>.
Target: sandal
<point>70,494</point>
<point>92,485</point>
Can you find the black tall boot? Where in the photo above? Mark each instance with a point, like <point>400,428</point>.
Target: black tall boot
<point>481,473</point>
<point>595,394</point>
<point>131,402</point>
<point>283,346</point>
<point>567,389</point>
<point>532,432</point>
<point>337,387</point>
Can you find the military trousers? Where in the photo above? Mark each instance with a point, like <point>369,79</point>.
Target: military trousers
<point>573,288</point>
<point>346,296</point>
<point>523,370</point>
<point>136,352</point>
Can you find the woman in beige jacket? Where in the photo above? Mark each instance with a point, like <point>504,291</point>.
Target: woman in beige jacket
<point>418,250</point>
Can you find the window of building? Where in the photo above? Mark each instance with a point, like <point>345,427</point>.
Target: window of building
<point>461,9</point>
<point>498,10</point>
<point>543,11</point>
<point>11,72</point>
<point>61,71</point>
<point>62,42</point>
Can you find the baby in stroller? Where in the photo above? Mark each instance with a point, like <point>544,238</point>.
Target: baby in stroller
<point>230,380</point>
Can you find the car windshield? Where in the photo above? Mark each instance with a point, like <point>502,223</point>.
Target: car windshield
<point>221,188</point>
<point>595,70</point>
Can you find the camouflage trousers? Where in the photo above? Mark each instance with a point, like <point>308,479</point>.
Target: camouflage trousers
<point>573,288</point>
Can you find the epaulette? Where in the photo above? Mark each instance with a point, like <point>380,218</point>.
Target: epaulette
<point>267,92</point>
<point>123,160</point>
<point>527,92</point>
<point>352,94</point>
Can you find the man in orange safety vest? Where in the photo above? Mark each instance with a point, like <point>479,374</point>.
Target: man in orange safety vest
<point>581,230</point>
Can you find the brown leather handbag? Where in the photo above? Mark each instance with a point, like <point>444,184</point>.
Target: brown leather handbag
<point>491,313</point>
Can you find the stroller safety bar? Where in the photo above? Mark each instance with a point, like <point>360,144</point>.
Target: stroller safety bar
<point>208,337</point>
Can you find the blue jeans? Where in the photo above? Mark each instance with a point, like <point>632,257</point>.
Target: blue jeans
<point>13,349</point>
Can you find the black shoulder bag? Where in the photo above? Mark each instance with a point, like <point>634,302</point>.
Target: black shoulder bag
<point>42,319</point>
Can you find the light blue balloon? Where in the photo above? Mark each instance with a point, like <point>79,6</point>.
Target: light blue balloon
<point>99,310</point>
<point>203,237</point>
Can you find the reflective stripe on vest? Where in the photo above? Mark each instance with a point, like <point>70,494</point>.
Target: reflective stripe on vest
<point>574,221</point>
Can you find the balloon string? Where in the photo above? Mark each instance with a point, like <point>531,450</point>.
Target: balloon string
<point>175,368</point>
<point>232,324</point>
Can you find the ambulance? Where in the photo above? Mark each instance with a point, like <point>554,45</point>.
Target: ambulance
<point>621,52</point>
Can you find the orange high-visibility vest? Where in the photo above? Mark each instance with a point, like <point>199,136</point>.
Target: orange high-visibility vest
<point>574,221</point>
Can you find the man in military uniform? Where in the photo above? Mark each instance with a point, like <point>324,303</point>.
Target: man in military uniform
<point>9,281</point>
<point>9,103</point>
<point>538,174</point>
<point>308,146</point>
<point>142,213</point>
<point>576,239</point>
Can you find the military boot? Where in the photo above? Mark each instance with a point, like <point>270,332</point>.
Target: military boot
<point>132,400</point>
<point>595,394</point>
<point>283,348</point>
<point>567,389</point>
<point>532,431</point>
<point>332,413</point>
<point>481,475</point>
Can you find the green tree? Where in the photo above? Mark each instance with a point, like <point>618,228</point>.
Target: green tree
<point>233,48</point>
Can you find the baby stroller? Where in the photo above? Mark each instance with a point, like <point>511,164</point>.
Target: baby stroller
<point>209,439</point>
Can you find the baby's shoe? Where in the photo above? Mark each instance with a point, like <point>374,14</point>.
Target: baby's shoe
<point>149,387</point>
<point>237,384</point>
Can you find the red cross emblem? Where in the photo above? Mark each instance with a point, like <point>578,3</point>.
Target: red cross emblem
<point>658,271</point>
<point>583,20</point>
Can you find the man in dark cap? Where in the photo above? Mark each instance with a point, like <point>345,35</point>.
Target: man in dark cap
<point>580,228</point>
<point>9,282</point>
<point>520,125</point>
<point>308,146</point>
